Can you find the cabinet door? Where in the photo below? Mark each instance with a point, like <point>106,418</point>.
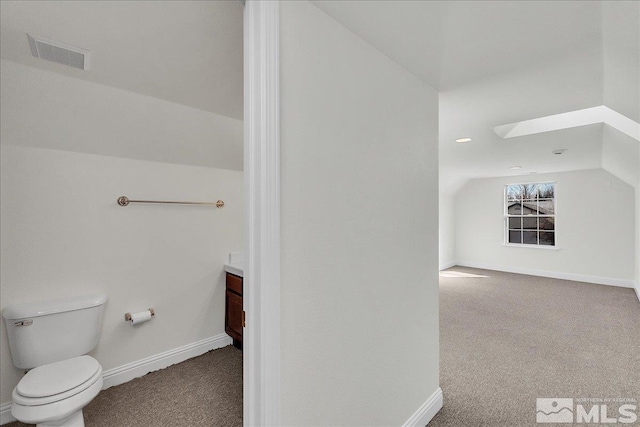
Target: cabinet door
<point>233,321</point>
<point>234,283</point>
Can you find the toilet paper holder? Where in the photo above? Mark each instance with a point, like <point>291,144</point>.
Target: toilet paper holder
<point>127,316</point>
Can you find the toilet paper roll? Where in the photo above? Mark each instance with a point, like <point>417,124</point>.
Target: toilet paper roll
<point>143,316</point>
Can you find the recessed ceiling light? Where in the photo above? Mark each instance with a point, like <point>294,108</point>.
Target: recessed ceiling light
<point>463,139</point>
<point>515,167</point>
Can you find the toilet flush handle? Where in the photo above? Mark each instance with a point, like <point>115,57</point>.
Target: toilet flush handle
<point>27,322</point>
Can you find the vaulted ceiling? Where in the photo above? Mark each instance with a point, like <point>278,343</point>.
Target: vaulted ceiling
<point>499,62</point>
<point>493,62</point>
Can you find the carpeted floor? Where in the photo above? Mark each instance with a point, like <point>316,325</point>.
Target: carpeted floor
<point>203,391</point>
<point>507,339</point>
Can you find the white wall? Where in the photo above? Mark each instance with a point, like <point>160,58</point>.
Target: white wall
<point>359,170</point>
<point>595,233</point>
<point>63,234</point>
<point>68,150</point>
<point>447,231</point>
<point>638,235</point>
<point>621,50</point>
<point>620,155</point>
<point>622,86</point>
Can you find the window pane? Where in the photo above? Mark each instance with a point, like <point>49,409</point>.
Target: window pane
<point>530,223</point>
<point>530,207</point>
<point>530,237</point>
<point>515,223</point>
<point>514,237</point>
<point>546,207</point>
<point>547,238</point>
<point>530,191</point>
<point>547,223</point>
<point>515,192</point>
<point>514,208</point>
<point>546,191</point>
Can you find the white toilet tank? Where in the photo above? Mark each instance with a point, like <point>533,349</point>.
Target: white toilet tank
<point>49,331</point>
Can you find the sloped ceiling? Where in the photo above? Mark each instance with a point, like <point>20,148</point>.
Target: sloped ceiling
<point>165,82</point>
<point>494,62</point>
<point>498,62</point>
<point>186,52</point>
<point>43,109</point>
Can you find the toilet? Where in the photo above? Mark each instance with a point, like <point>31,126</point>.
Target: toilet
<point>51,339</point>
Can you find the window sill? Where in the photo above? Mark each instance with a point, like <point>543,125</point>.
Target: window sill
<point>544,248</point>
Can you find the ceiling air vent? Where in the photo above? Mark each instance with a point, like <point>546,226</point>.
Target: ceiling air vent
<point>59,52</point>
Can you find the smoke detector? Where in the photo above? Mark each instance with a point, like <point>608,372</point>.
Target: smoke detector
<point>61,53</point>
<point>559,151</point>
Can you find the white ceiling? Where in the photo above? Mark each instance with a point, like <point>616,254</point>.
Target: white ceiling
<point>42,109</point>
<point>448,44</point>
<point>187,52</point>
<point>493,62</point>
<point>499,62</point>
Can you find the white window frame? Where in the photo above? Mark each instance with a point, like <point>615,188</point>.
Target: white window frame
<point>505,227</point>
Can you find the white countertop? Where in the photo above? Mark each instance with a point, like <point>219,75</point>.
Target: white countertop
<point>235,264</point>
<point>236,269</point>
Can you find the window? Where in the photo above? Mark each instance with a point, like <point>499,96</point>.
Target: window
<point>530,214</point>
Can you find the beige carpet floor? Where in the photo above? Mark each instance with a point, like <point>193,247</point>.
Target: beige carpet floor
<point>203,391</point>
<point>507,339</point>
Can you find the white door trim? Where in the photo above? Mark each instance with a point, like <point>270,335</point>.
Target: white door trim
<point>261,294</point>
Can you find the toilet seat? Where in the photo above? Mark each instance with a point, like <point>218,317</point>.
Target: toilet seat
<point>57,381</point>
<point>79,380</point>
<point>59,411</point>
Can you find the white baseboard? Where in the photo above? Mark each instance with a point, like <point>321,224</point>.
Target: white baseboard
<point>623,283</point>
<point>5,414</point>
<point>637,288</point>
<point>130,371</point>
<point>426,411</point>
<point>447,264</point>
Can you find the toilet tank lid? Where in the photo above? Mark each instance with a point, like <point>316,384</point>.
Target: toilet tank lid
<point>43,308</point>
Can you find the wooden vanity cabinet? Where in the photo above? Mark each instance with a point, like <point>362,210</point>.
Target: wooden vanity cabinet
<point>233,321</point>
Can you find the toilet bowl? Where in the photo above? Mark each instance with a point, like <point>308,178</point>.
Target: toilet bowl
<point>51,339</point>
<point>54,394</point>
